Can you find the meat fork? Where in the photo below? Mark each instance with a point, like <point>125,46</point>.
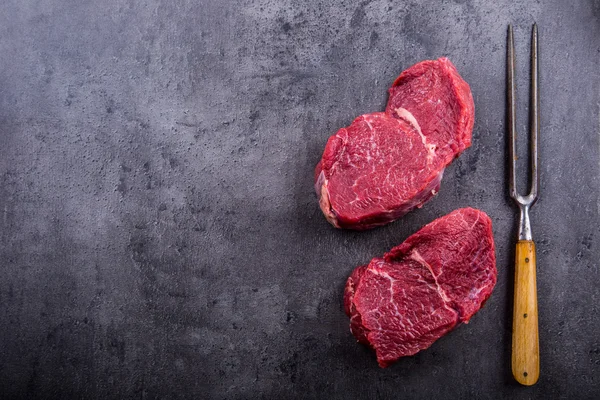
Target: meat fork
<point>525,336</point>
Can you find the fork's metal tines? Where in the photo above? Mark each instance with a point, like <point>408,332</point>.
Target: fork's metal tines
<point>524,202</point>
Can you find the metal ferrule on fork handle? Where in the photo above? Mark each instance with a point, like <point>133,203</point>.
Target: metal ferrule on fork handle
<point>524,223</point>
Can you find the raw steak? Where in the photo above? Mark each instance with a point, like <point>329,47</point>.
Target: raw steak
<point>420,290</point>
<point>385,164</point>
<point>433,94</point>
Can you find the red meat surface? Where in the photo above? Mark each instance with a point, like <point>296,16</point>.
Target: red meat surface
<point>385,164</point>
<point>420,290</point>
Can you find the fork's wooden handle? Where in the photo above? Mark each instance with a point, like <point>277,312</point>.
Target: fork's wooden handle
<point>525,337</point>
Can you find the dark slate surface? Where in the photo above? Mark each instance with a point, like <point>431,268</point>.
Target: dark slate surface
<point>159,235</point>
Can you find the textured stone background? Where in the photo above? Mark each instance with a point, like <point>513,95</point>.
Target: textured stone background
<point>159,235</point>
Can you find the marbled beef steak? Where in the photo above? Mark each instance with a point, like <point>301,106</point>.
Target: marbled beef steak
<point>420,290</point>
<point>385,164</point>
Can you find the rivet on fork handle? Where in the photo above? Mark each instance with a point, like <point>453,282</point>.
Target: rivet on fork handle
<point>525,338</point>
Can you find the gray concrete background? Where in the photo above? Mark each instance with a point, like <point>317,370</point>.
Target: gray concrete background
<point>159,234</point>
